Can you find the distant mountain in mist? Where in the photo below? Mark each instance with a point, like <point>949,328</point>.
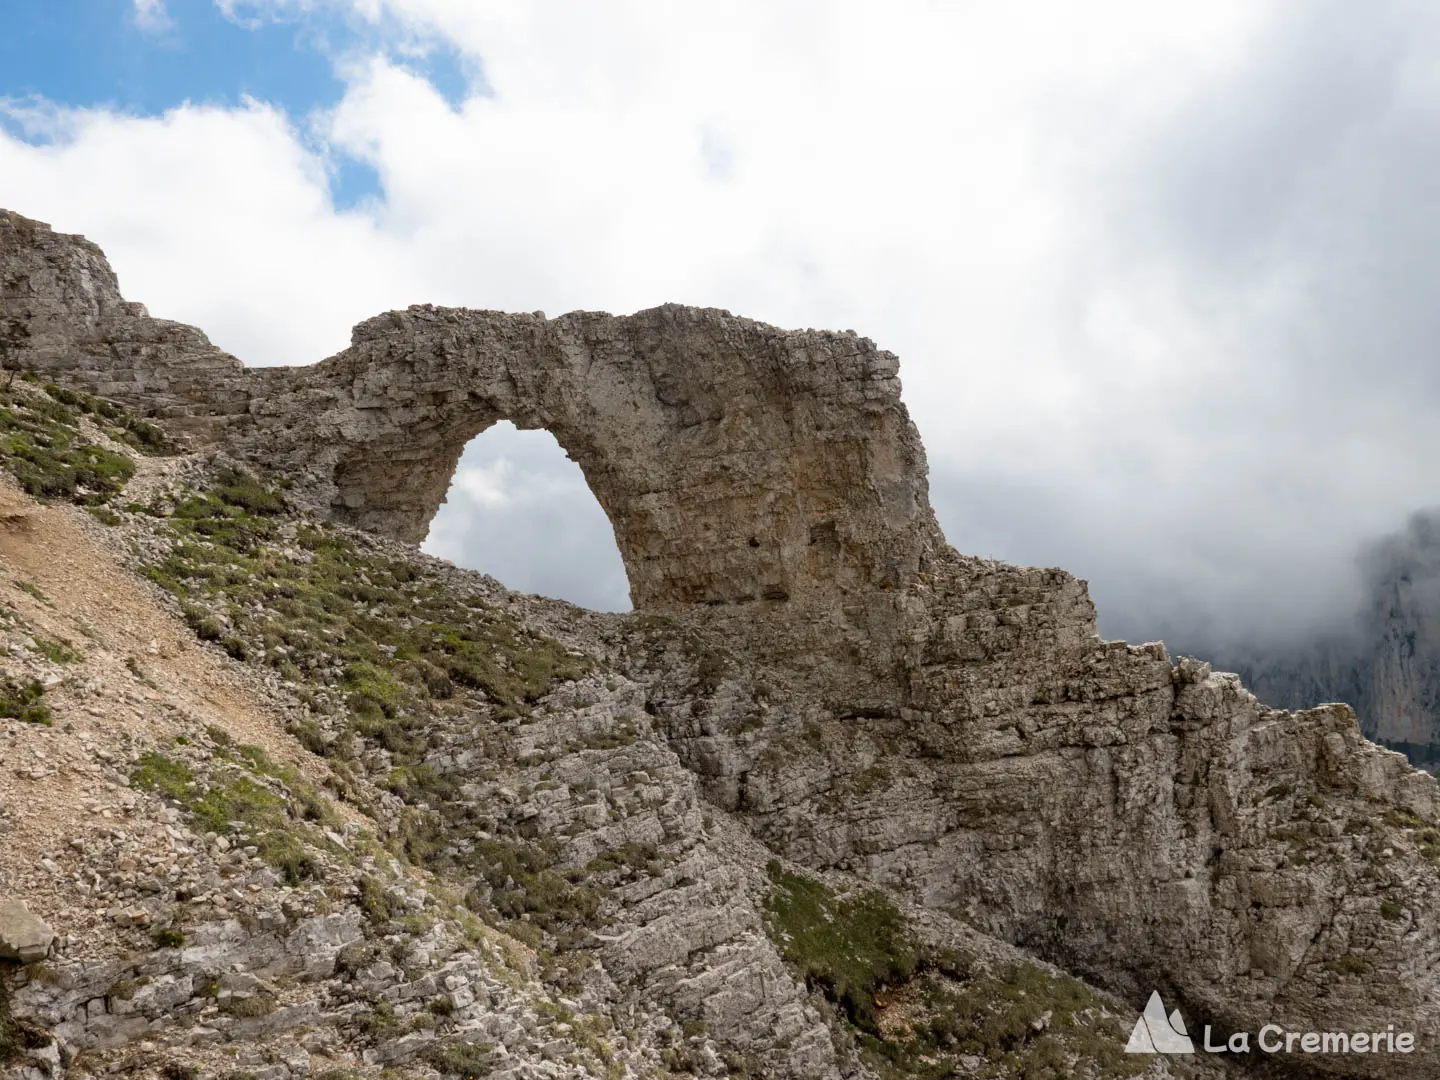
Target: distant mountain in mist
<point>1385,662</point>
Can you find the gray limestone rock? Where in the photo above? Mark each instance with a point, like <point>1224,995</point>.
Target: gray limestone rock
<point>817,665</point>
<point>23,936</point>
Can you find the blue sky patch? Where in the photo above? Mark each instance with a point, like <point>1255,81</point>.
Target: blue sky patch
<point>92,53</point>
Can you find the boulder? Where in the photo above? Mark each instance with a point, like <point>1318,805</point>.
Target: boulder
<point>24,936</point>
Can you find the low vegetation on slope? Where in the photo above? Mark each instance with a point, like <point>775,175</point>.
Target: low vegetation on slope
<point>269,806</point>
<point>852,947</point>
<point>420,692</point>
<point>388,658</point>
<point>392,662</point>
<point>45,443</point>
<point>918,1012</point>
<point>310,602</point>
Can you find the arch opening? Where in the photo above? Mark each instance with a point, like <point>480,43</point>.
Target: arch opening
<point>519,509</point>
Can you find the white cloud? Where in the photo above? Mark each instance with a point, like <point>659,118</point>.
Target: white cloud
<point>152,16</point>
<point>486,485</point>
<point>520,510</point>
<point>1138,261</point>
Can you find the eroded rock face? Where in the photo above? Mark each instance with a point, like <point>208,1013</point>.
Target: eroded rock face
<point>739,464</point>
<point>872,701</point>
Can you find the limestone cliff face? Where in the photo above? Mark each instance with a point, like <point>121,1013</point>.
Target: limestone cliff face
<point>949,727</point>
<point>1400,687</point>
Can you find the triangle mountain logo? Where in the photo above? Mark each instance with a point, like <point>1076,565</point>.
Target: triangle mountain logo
<point>1155,1033</point>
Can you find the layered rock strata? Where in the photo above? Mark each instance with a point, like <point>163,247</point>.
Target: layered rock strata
<point>950,727</point>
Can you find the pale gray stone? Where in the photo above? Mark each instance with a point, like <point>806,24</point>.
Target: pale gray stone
<point>24,936</point>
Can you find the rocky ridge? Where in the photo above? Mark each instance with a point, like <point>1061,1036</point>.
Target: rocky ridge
<point>807,801</point>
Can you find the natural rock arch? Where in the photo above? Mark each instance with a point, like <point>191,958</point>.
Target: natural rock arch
<point>1130,816</point>
<point>747,471</point>
<point>739,464</point>
<point>725,452</point>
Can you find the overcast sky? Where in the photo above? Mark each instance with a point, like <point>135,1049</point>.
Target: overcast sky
<point>1160,276</point>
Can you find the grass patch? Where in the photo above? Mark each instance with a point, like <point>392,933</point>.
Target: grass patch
<point>468,1061</point>
<point>163,776</point>
<point>42,447</point>
<point>1400,818</point>
<point>919,1014</point>
<point>22,701</point>
<point>31,589</point>
<point>399,641</point>
<point>270,804</point>
<point>1021,1021</point>
<point>57,651</point>
<point>378,904</point>
<point>380,1024</point>
<point>119,423</point>
<point>849,948</point>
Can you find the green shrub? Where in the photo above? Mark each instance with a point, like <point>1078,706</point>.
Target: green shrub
<point>56,651</point>
<point>468,1061</point>
<point>22,701</point>
<point>379,1023</point>
<point>521,881</point>
<point>377,903</point>
<point>170,937</point>
<point>259,1004</point>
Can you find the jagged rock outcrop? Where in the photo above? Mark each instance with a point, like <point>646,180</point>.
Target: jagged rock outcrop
<point>870,701</point>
